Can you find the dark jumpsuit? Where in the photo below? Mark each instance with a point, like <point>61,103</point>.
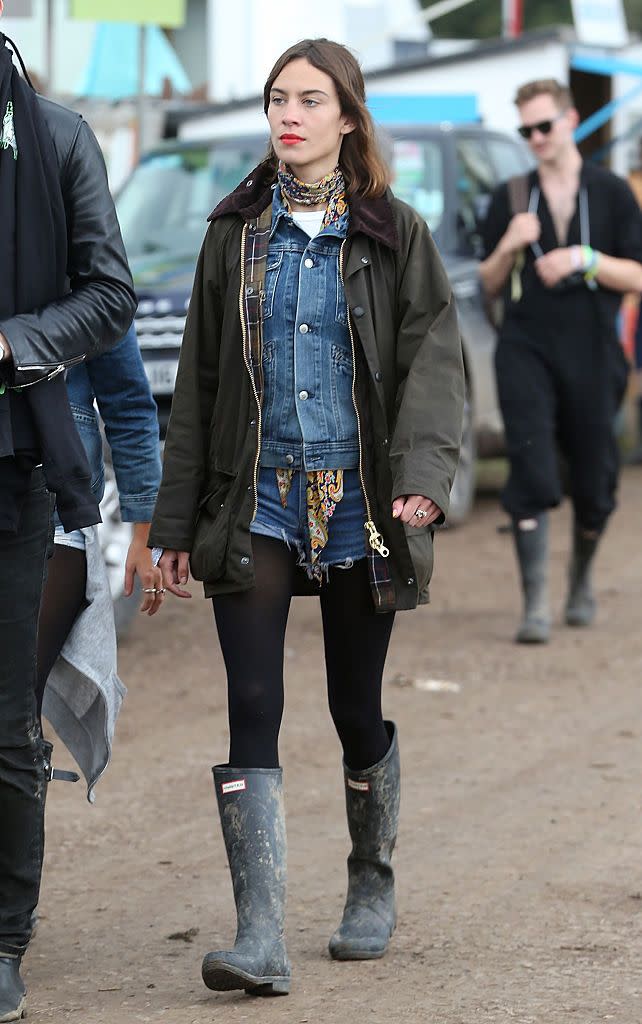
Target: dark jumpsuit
<point>561,372</point>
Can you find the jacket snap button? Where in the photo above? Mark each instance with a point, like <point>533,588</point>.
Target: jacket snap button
<point>289,459</point>
<point>385,441</point>
<point>365,261</point>
<point>248,184</point>
<point>252,423</point>
<point>358,311</point>
<point>377,375</point>
<point>410,581</point>
<point>249,487</point>
<point>249,291</point>
<point>245,560</point>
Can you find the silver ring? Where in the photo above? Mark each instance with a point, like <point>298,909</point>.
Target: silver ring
<point>153,590</point>
<point>421,513</point>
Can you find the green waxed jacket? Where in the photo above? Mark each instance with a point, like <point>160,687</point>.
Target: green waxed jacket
<point>409,392</point>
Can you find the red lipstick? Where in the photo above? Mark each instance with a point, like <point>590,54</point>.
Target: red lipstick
<point>289,139</point>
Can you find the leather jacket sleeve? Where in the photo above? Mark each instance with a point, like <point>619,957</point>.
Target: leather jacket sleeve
<point>99,307</point>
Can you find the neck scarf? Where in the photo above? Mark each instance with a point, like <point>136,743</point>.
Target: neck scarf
<point>330,190</point>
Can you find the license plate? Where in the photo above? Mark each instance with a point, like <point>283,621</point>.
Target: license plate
<point>161,374</point>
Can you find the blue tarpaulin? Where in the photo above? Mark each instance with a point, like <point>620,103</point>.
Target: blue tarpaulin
<point>423,109</point>
<point>112,68</point>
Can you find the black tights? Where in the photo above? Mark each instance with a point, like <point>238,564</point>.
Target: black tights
<point>251,628</point>
<point>62,600</point>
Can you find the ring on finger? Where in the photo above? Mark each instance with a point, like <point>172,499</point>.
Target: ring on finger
<point>421,513</point>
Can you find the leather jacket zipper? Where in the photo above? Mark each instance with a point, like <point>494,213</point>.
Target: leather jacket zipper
<point>375,539</point>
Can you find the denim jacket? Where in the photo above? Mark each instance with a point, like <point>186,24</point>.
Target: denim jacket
<point>309,419</point>
<point>117,382</point>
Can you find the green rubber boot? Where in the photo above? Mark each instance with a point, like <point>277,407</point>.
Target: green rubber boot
<point>250,803</point>
<point>372,804</point>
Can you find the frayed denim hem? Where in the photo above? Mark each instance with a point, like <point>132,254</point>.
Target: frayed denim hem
<point>316,571</point>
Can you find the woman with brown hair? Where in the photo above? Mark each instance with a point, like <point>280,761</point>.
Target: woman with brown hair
<point>312,444</point>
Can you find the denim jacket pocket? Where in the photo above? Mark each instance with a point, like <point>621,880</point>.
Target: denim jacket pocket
<point>274,263</point>
<point>341,390</point>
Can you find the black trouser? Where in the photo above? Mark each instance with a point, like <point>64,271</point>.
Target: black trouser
<point>560,393</point>
<point>23,558</point>
<point>251,627</point>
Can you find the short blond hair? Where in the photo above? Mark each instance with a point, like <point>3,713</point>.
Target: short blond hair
<point>561,94</point>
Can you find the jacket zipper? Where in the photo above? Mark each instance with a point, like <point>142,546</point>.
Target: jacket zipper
<point>374,537</point>
<point>249,370</point>
<point>56,368</point>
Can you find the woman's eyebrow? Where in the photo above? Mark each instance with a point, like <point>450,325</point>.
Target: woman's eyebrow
<point>305,92</point>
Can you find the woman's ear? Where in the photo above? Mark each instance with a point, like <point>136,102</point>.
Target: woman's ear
<point>346,128</point>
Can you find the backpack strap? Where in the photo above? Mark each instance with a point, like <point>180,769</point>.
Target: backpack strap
<point>518,194</point>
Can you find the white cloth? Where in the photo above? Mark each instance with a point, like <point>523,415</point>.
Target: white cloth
<point>83,695</point>
<point>309,220</point>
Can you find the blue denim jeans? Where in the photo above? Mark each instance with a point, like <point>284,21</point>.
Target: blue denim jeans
<point>346,533</point>
<point>23,556</point>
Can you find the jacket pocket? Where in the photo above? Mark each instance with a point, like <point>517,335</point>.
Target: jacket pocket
<point>209,549</point>
<point>420,545</point>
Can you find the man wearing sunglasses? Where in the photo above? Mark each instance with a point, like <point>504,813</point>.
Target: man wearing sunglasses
<point>561,264</point>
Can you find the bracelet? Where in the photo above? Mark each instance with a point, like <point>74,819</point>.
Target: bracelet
<point>576,257</point>
<point>590,272</point>
<point>157,554</point>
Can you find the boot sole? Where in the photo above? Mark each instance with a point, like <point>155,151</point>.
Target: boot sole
<point>357,954</point>
<point>221,977</point>
<point>16,1014</point>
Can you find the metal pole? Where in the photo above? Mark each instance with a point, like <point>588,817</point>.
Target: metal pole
<point>140,99</point>
<point>49,48</point>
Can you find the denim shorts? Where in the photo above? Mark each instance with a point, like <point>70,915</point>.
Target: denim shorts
<point>346,533</point>
<point>74,539</point>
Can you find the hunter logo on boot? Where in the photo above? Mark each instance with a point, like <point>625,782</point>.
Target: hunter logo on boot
<point>362,787</point>
<point>233,787</point>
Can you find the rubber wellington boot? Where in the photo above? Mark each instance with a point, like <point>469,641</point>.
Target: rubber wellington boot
<point>13,994</point>
<point>250,804</point>
<point>372,804</point>
<point>580,604</point>
<point>531,546</point>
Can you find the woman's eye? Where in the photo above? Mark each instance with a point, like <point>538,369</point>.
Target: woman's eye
<point>276,100</point>
<point>311,103</point>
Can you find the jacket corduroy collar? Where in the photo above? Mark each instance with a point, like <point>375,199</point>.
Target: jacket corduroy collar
<point>372,217</point>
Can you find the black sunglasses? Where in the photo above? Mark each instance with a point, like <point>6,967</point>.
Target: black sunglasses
<point>543,127</point>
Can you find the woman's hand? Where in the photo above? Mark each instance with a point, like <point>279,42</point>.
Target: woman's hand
<point>175,568</point>
<point>415,510</point>
<point>139,562</point>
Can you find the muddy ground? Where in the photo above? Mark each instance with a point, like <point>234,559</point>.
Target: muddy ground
<point>519,860</point>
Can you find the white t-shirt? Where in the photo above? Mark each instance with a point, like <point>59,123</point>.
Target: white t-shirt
<point>310,221</point>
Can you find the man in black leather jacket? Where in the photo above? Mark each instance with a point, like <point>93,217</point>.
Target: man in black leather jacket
<point>65,293</point>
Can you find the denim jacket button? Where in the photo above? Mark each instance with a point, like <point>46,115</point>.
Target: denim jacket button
<point>289,459</point>
<point>303,395</point>
<point>303,329</point>
<point>309,263</point>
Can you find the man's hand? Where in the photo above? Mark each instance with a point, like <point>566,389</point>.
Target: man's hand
<point>407,506</point>
<point>175,568</point>
<point>523,230</point>
<point>139,562</point>
<point>5,350</point>
<point>554,266</point>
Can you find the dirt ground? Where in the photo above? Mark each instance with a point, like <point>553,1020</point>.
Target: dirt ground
<point>519,861</point>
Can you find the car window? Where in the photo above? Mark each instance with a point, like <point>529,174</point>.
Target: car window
<point>418,178</point>
<point>509,159</point>
<point>475,178</point>
<point>164,205</point>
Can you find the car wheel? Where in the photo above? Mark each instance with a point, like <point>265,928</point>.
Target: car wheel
<point>115,538</point>
<point>462,494</point>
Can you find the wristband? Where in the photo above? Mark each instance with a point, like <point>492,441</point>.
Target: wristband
<point>157,554</point>
<point>591,270</point>
<point>577,262</point>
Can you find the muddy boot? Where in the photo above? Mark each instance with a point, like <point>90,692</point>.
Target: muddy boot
<point>13,994</point>
<point>250,804</point>
<point>531,545</point>
<point>372,804</point>
<point>580,604</point>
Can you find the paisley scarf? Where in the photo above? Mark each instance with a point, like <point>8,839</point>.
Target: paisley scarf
<point>330,190</point>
